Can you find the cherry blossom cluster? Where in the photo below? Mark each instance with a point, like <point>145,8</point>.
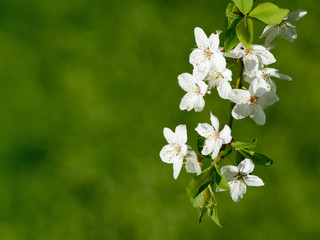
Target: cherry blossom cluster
<point>248,98</point>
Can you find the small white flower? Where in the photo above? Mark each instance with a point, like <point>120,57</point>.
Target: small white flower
<point>192,164</point>
<point>252,58</point>
<point>238,178</point>
<point>214,137</point>
<point>285,29</point>
<point>207,55</point>
<point>220,78</point>
<point>251,103</point>
<point>195,89</point>
<point>266,74</point>
<point>175,151</point>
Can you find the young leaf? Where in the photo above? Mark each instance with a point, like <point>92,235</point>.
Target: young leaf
<point>220,180</point>
<point>231,39</point>
<point>238,145</point>
<point>257,158</point>
<point>244,6</point>
<point>213,213</point>
<point>239,157</point>
<point>244,32</point>
<point>231,10</point>
<point>269,13</point>
<point>200,182</point>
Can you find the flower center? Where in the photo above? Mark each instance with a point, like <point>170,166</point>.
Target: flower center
<point>217,134</point>
<point>179,149</point>
<point>208,53</point>
<point>239,177</point>
<point>248,51</point>
<point>253,100</point>
<point>198,90</point>
<point>265,76</point>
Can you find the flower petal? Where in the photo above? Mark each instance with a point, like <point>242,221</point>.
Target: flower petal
<point>246,166</point>
<point>237,190</point>
<point>258,115</point>
<point>239,96</point>
<point>266,30</point>
<point>204,129</point>
<point>197,56</point>
<point>268,99</point>
<point>229,172</point>
<point>296,15</point>
<point>187,82</point>
<point>253,181</point>
<point>209,145</point>
<point>216,148</point>
<point>241,111</point>
<point>214,121</point>
<point>201,38</point>
<point>199,103</point>
<point>187,101</point>
<point>225,135</point>
<point>168,153</point>
<point>272,35</point>
<point>258,87</point>
<point>177,165</point>
<point>224,89</point>
<point>170,136</point>
<point>192,164</point>
<point>181,133</point>
<point>214,42</point>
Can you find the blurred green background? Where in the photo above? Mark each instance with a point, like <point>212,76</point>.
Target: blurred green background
<point>87,87</point>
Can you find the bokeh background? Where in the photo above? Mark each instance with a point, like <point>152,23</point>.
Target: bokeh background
<point>86,88</point>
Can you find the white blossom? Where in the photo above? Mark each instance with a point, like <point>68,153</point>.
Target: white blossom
<point>195,89</point>
<point>239,178</point>
<point>214,137</point>
<point>207,55</point>
<point>251,103</point>
<point>176,148</point>
<point>285,29</point>
<point>220,78</point>
<point>252,58</point>
<point>192,164</point>
<point>266,75</point>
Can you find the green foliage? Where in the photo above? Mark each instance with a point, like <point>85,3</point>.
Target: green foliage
<point>200,182</point>
<point>208,205</point>
<point>220,180</point>
<point>257,158</point>
<point>226,152</point>
<point>237,145</point>
<point>231,38</point>
<point>269,13</point>
<point>244,31</point>
<point>245,6</point>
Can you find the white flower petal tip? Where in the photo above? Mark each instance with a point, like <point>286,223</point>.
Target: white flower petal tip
<point>192,164</point>
<point>176,149</point>
<point>239,178</point>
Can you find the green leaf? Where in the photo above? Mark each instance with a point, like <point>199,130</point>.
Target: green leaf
<point>196,202</point>
<point>231,9</point>
<point>238,145</point>
<point>231,39</point>
<point>200,144</point>
<point>244,6</point>
<point>239,157</point>
<point>257,158</point>
<point>200,182</point>
<point>226,152</point>
<point>244,32</point>
<point>213,213</point>
<point>220,180</point>
<point>269,13</point>
<point>209,206</point>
